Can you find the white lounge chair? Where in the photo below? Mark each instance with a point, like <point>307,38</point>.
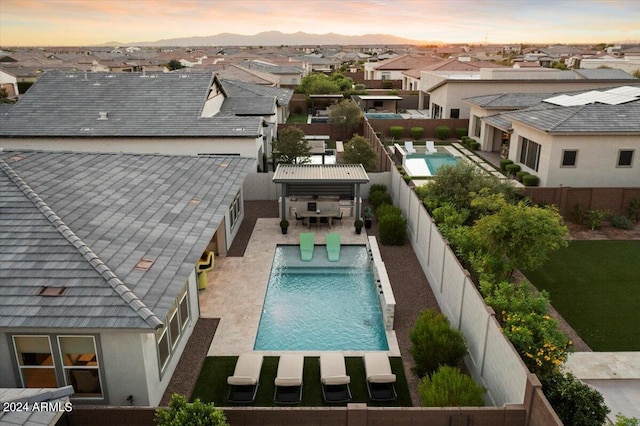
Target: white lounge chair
<point>380,379</point>
<point>408,147</point>
<point>246,378</point>
<point>431,147</point>
<point>333,375</point>
<point>289,379</point>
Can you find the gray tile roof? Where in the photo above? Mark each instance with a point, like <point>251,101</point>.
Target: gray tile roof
<point>156,105</point>
<point>604,74</point>
<point>114,209</point>
<point>234,88</point>
<point>508,100</point>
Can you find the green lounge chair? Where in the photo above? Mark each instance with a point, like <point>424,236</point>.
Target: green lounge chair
<point>306,245</point>
<point>333,246</point>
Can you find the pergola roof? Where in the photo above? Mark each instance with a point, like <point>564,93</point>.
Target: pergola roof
<point>307,173</point>
<point>380,97</point>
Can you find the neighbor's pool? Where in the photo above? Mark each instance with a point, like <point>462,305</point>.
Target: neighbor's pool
<point>428,164</point>
<point>321,305</point>
<point>382,115</point>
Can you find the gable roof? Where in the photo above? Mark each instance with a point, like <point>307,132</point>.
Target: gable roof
<point>63,104</point>
<point>508,100</point>
<point>83,221</point>
<point>236,89</point>
<point>407,62</point>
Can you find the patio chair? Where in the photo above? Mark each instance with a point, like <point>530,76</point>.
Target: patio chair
<point>299,219</point>
<point>289,379</point>
<point>380,379</point>
<point>306,246</point>
<point>337,218</point>
<point>243,385</point>
<point>408,147</point>
<point>313,220</point>
<point>333,246</point>
<point>334,379</point>
<point>431,147</point>
<point>324,220</point>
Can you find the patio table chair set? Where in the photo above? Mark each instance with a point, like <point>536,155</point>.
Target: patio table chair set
<point>243,384</point>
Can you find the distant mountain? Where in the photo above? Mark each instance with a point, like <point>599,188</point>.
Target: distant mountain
<point>277,38</point>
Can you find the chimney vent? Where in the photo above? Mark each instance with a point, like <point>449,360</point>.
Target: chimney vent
<point>103,115</point>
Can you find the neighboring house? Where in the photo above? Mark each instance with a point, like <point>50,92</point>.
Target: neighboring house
<point>319,64</point>
<point>288,75</point>
<point>393,69</point>
<point>9,83</point>
<point>137,113</point>
<point>447,89</point>
<point>579,139</point>
<point>98,286</point>
<point>237,73</point>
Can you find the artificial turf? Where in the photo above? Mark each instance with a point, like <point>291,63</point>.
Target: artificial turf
<point>595,285</point>
<point>212,382</point>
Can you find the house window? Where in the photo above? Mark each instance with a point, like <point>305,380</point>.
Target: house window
<point>477,125</point>
<point>235,210</point>
<point>162,336</point>
<point>569,157</point>
<point>386,75</point>
<point>80,365</point>
<point>35,361</point>
<point>530,154</point>
<point>455,113</point>
<point>177,320</point>
<point>436,111</point>
<point>625,157</point>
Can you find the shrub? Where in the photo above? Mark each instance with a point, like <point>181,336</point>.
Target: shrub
<point>578,214</point>
<point>388,209</point>
<point>520,174</point>
<point>575,402</point>
<point>180,412</point>
<point>406,178</point>
<point>379,135</point>
<point>417,132</point>
<point>378,197</point>
<point>504,163</point>
<point>461,132</point>
<point>396,132</point>
<point>377,187</point>
<point>621,222</point>
<point>530,180</point>
<point>442,132</point>
<point>594,218</point>
<point>474,145</point>
<point>622,420</point>
<point>633,209</point>
<point>392,229</point>
<point>434,343</point>
<point>512,169</point>
<point>360,87</point>
<point>448,387</point>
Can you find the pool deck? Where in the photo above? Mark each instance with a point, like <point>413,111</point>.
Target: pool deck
<point>237,287</point>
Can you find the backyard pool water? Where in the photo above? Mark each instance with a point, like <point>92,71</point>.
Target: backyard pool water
<point>382,115</point>
<point>321,305</point>
<point>428,164</point>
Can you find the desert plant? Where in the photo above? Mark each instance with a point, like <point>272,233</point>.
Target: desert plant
<point>461,132</point>
<point>512,169</point>
<point>504,163</point>
<point>621,222</point>
<point>443,132</point>
<point>377,198</point>
<point>435,343</point>
<point>634,209</point>
<point>530,180</point>
<point>181,413</point>
<point>396,132</point>
<point>594,218</point>
<point>448,387</point>
<point>576,403</point>
<point>417,132</point>
<point>392,229</point>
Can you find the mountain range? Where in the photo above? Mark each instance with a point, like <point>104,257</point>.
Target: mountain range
<point>277,38</point>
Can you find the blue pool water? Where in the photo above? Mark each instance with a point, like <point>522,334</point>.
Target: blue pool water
<point>382,115</point>
<point>321,305</point>
<point>436,160</point>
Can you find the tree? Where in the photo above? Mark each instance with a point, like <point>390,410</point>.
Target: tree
<point>521,234</point>
<point>636,73</point>
<point>346,113</point>
<point>576,403</point>
<point>317,84</point>
<point>358,151</point>
<point>182,413</point>
<point>290,147</point>
<point>174,64</point>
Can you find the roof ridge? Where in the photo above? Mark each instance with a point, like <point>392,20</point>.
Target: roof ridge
<point>85,251</point>
<point>556,125</point>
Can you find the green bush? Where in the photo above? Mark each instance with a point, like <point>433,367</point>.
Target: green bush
<point>448,387</point>
<point>406,178</point>
<point>622,222</point>
<point>435,343</point>
<point>474,145</point>
<point>461,132</point>
<point>633,209</point>
<point>182,413</point>
<point>396,132</point>
<point>504,163</point>
<point>576,403</point>
<point>512,169</point>
<point>392,229</point>
<point>520,175</point>
<point>530,180</point>
<point>377,187</point>
<point>443,132</point>
<point>594,218</point>
<point>360,87</point>
<point>417,132</point>
<point>378,197</point>
<point>388,209</point>
<point>622,420</point>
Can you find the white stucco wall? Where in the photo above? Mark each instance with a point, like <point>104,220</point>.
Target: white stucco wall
<point>8,377</point>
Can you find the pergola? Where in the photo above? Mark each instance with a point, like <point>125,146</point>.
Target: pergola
<point>315,180</point>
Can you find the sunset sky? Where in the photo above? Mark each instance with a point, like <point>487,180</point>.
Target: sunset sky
<point>88,22</point>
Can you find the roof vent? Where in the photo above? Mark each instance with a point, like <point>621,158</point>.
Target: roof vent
<point>144,264</point>
<point>16,158</point>
<point>51,291</point>
<point>103,115</point>
<point>194,201</point>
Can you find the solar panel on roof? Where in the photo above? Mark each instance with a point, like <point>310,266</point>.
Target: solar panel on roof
<point>617,96</point>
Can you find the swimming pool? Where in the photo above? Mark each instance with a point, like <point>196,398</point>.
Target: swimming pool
<point>321,305</point>
<point>428,164</point>
<point>382,115</point>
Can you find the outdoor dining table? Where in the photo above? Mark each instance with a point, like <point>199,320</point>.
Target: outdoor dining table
<point>329,214</point>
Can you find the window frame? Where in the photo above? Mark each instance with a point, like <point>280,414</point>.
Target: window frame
<point>457,113</point>
<point>625,166</point>
<point>477,126</point>
<point>575,159</point>
<point>21,367</point>
<point>235,210</point>
<point>527,146</point>
<point>81,367</point>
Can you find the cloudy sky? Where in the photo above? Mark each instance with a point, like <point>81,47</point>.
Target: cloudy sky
<point>86,22</point>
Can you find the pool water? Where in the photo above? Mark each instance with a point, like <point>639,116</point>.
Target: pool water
<point>321,305</point>
<point>382,116</point>
<point>432,161</point>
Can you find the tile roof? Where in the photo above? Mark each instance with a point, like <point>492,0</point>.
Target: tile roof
<point>235,88</point>
<point>407,62</point>
<point>154,105</point>
<point>32,396</point>
<point>83,221</point>
<point>508,100</point>
<point>347,173</point>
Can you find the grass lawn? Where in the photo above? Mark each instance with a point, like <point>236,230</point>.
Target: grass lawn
<point>297,118</point>
<point>595,285</point>
<point>212,382</point>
